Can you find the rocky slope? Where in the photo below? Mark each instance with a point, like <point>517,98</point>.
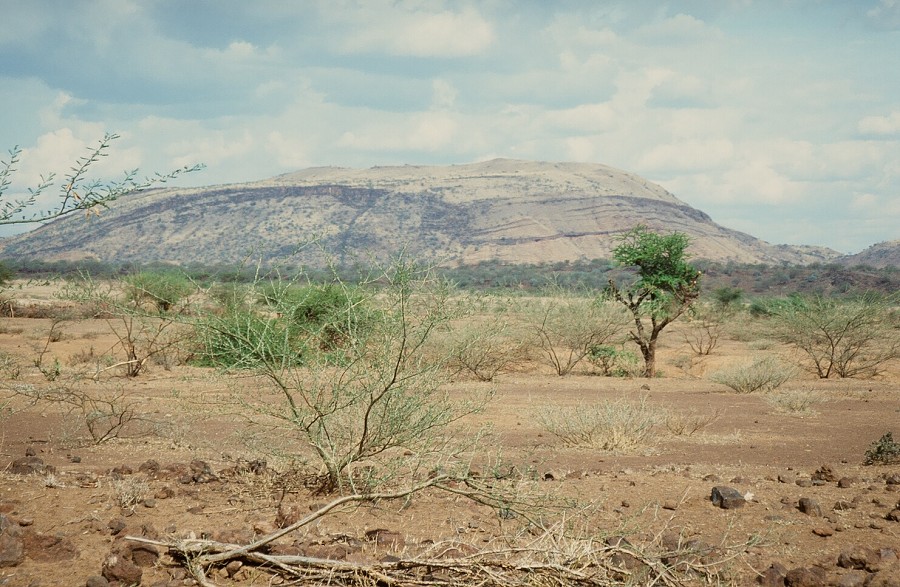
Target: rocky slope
<point>508,210</point>
<point>880,255</point>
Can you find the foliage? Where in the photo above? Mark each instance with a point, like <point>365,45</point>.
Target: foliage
<point>486,343</point>
<point>884,451</point>
<point>607,425</point>
<point>795,401</point>
<point>666,287</point>
<point>727,298</point>
<point>6,274</point>
<point>381,392</point>
<point>77,192</point>
<point>765,374</point>
<point>163,290</point>
<point>614,361</point>
<point>141,335</point>
<point>843,338</point>
<point>567,326</point>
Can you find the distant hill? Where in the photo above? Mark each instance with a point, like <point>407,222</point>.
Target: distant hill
<point>881,255</point>
<point>502,210</point>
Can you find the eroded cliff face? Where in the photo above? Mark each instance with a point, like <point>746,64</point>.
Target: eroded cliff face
<point>508,210</point>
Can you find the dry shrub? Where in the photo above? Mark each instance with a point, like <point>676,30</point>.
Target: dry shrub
<point>610,425</point>
<point>765,374</point>
<point>795,401</point>
<point>687,424</point>
<point>129,492</point>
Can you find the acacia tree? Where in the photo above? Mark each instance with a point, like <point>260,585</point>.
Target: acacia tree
<point>842,338</point>
<point>666,287</point>
<point>77,192</point>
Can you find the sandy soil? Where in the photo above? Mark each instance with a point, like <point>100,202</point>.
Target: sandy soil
<point>73,516</point>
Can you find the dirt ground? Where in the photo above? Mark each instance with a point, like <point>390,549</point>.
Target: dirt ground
<point>191,474</point>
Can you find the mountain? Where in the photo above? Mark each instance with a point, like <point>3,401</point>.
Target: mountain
<point>880,255</point>
<point>507,210</point>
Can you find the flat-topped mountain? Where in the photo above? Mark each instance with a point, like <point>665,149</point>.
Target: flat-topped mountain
<point>507,210</point>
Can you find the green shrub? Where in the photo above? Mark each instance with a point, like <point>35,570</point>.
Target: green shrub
<point>164,290</point>
<point>613,361</point>
<point>884,451</point>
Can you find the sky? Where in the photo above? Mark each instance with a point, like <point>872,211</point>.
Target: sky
<point>780,119</point>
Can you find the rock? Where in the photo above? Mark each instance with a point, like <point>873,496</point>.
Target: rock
<point>96,581</point>
<point>164,492</point>
<point>885,578</point>
<point>810,507</point>
<point>149,467</point>
<point>858,557</point>
<point>117,568</point>
<point>804,482</point>
<point>805,577</point>
<point>853,579</point>
<point>30,452</point>
<point>233,567</point>
<point>149,503</point>
<point>121,471</point>
<point>727,497</point>
<point>823,531</point>
<point>892,479</point>
<point>773,576</point>
<point>845,482</point>
<point>30,466</point>
<point>201,472</point>
<point>12,550</point>
<point>670,505</point>
<point>116,525</point>
<point>143,555</point>
<point>48,549</point>
<point>825,473</point>
<point>893,515</point>
<point>843,505</point>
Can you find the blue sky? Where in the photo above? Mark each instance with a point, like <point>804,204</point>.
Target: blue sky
<point>777,118</point>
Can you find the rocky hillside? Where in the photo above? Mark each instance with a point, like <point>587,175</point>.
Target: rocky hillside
<point>506,210</point>
<point>880,255</point>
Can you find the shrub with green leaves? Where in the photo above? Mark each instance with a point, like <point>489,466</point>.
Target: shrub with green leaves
<point>163,289</point>
<point>614,361</point>
<point>884,451</point>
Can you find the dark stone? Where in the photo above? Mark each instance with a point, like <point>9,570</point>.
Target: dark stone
<point>117,568</point>
<point>96,581</point>
<point>805,577</point>
<point>773,576</point>
<point>853,579</point>
<point>116,525</point>
<point>857,557</point>
<point>233,567</point>
<point>810,507</point>
<point>12,550</point>
<point>892,479</point>
<point>804,482</point>
<point>30,452</point>
<point>77,459</point>
<point>843,505</point>
<point>150,467</point>
<point>121,471</point>
<point>893,515</point>
<point>845,482</point>
<point>727,497</point>
<point>201,472</point>
<point>825,473</point>
<point>30,466</point>
<point>823,531</point>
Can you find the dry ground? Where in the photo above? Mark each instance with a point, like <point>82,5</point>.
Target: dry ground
<point>74,516</point>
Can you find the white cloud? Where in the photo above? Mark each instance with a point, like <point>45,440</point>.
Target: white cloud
<point>688,156</point>
<point>681,28</point>
<point>421,33</point>
<point>881,125</point>
<point>582,118</point>
<point>443,94</point>
<point>426,131</point>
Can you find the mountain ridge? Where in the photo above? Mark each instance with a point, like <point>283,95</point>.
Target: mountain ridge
<point>502,209</point>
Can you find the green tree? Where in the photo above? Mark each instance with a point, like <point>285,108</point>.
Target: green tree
<point>77,192</point>
<point>843,338</point>
<point>666,286</point>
